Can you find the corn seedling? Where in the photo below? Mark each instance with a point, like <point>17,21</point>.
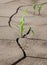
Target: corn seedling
<point>22,22</point>
<point>39,6</point>
<point>34,7</point>
<point>22,26</point>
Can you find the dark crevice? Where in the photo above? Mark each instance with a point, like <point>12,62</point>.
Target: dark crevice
<point>26,38</point>
<point>13,15</point>
<point>17,40</point>
<point>37,57</point>
<point>24,53</point>
<point>18,60</point>
<point>27,33</point>
<point>36,39</point>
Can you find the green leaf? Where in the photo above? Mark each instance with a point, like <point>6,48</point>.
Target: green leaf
<point>22,22</point>
<point>34,6</point>
<point>22,25</point>
<point>40,7</point>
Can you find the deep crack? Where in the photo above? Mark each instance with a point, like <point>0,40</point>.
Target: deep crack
<point>13,15</point>
<point>37,57</point>
<point>24,53</point>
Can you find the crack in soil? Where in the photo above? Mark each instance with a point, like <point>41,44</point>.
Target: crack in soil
<point>26,38</point>
<point>37,57</point>
<point>35,39</point>
<point>24,53</point>
<point>13,15</point>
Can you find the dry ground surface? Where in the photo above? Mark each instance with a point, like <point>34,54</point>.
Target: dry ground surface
<point>34,46</point>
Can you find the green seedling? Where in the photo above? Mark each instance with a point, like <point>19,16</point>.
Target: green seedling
<point>34,7</point>
<point>22,26</point>
<point>22,22</point>
<point>39,8</point>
